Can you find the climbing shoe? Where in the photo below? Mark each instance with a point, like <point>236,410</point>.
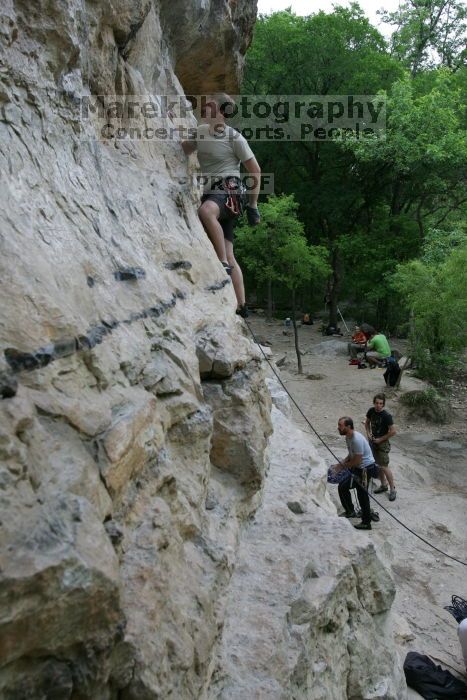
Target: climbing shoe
<point>227,268</point>
<point>392,495</point>
<point>253,215</point>
<point>242,311</point>
<point>363,526</point>
<point>381,489</point>
<point>348,515</point>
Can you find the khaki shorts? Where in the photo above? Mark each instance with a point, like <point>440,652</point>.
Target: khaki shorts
<point>381,454</point>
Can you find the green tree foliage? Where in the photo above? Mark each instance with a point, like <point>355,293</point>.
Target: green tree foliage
<point>277,248</point>
<point>260,248</point>
<point>434,289</point>
<point>387,204</point>
<point>337,53</point>
<point>429,33</point>
<point>418,173</point>
<point>369,202</point>
<point>420,164</point>
<point>277,251</point>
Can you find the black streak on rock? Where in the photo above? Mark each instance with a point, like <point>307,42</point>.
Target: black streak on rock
<point>179,265</point>
<point>295,507</point>
<point>8,385</point>
<point>82,342</point>
<point>28,361</point>
<point>90,281</point>
<point>65,347</point>
<point>111,324</point>
<point>135,316</point>
<point>129,273</point>
<point>219,285</point>
<point>96,334</point>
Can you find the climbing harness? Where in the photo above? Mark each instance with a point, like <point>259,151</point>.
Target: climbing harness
<point>235,191</point>
<point>422,539</point>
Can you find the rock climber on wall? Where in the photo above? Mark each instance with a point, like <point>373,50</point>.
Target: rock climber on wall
<point>220,150</point>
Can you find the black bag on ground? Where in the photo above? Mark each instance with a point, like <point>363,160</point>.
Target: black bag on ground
<point>431,681</point>
<point>391,375</point>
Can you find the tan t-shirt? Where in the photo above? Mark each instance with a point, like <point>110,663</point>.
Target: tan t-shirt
<point>220,155</point>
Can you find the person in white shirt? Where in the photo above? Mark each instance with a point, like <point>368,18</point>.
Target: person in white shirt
<point>221,149</point>
<point>358,459</point>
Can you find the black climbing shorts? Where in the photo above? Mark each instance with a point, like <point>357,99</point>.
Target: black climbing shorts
<point>226,220</point>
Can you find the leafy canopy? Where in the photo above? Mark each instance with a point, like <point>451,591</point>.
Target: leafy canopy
<point>434,288</point>
<point>277,249</point>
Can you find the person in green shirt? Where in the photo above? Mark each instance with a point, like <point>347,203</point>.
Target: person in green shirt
<point>377,349</point>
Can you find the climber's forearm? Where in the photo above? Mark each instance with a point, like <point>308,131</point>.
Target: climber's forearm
<point>253,168</point>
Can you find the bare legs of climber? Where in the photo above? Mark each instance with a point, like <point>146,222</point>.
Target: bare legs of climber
<point>209,213</point>
<point>221,150</point>
<point>219,226</point>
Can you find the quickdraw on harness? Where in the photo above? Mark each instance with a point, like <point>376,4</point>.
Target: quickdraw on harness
<point>235,195</point>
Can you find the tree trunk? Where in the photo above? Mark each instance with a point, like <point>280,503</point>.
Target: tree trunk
<point>334,288</point>
<point>269,315</point>
<point>295,332</point>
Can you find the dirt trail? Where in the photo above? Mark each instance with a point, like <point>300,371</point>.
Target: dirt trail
<point>430,471</point>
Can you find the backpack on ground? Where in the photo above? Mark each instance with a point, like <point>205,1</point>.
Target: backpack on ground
<point>431,681</point>
<point>332,330</point>
<point>392,372</point>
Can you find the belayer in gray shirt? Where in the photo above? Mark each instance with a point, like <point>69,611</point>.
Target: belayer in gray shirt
<point>358,459</point>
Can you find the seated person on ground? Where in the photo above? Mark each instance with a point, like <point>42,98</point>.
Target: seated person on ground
<point>367,329</point>
<point>357,344</point>
<point>377,350</point>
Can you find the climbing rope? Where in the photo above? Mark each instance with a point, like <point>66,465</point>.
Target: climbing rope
<point>422,539</point>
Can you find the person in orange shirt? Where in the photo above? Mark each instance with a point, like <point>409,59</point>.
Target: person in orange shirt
<point>357,344</point>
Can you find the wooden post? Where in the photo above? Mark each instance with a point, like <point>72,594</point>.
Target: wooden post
<point>295,331</point>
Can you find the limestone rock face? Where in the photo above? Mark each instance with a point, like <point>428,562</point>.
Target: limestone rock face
<point>307,606</point>
<point>203,66</point>
<point>134,414</point>
<point>241,410</point>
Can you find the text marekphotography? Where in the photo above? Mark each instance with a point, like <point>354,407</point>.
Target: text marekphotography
<point>277,118</point>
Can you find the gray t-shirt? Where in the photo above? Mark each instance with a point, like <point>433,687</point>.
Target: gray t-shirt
<point>358,444</point>
<point>220,154</point>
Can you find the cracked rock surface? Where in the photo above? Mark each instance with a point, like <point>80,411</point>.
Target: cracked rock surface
<point>307,609</point>
<point>135,416</point>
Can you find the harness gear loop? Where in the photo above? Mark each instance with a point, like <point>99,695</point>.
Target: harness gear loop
<point>234,189</point>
